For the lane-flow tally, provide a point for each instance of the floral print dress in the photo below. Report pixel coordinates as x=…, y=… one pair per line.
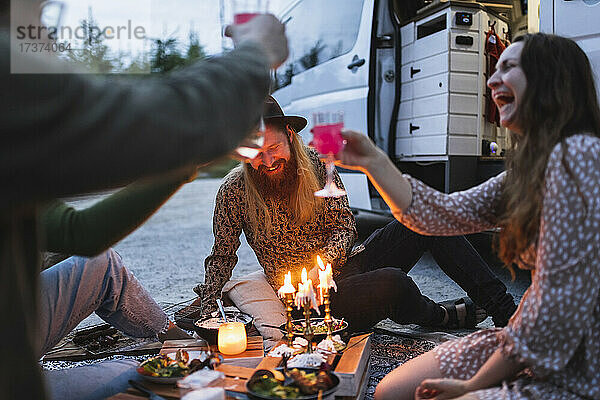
x=556, y=329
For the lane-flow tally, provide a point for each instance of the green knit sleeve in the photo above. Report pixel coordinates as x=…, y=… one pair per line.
x=92, y=230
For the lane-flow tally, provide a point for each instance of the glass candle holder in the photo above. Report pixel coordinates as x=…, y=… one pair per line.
x=232, y=338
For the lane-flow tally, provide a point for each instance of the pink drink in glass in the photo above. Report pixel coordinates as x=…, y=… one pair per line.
x=242, y=18
x=327, y=138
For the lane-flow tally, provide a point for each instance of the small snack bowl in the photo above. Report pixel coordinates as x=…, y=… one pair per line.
x=308, y=384
x=208, y=327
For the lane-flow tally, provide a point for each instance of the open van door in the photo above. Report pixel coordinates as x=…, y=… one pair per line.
x=328, y=68
x=577, y=20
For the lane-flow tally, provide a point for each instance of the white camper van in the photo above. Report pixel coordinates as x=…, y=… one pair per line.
x=412, y=75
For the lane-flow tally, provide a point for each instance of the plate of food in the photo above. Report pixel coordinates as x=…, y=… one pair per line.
x=301, y=384
x=318, y=326
x=169, y=368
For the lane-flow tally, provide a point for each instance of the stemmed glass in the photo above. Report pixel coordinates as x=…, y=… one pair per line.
x=243, y=11
x=251, y=146
x=328, y=141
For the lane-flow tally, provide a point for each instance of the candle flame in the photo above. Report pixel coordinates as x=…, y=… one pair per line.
x=321, y=264
x=304, y=275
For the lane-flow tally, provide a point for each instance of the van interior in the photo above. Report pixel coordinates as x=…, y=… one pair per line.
x=454, y=161
x=412, y=75
x=516, y=12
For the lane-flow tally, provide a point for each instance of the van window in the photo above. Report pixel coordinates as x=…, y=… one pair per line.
x=318, y=31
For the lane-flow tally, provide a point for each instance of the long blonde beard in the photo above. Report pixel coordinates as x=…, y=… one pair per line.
x=302, y=202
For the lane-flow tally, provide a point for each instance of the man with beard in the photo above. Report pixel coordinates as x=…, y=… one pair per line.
x=271, y=199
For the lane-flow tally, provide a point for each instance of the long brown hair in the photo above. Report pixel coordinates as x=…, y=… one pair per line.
x=559, y=101
x=302, y=201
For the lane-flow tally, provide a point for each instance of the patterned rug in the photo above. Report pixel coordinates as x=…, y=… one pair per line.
x=391, y=346
x=388, y=351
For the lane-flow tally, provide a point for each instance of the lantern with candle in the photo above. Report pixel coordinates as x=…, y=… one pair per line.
x=231, y=338
x=286, y=292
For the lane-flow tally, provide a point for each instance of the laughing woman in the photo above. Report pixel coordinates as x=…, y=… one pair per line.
x=547, y=205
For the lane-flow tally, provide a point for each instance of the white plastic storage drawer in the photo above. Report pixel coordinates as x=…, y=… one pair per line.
x=424, y=68
x=431, y=86
x=463, y=83
x=431, y=45
x=474, y=37
x=429, y=145
x=427, y=126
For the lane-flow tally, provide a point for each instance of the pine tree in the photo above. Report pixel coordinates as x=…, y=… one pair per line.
x=93, y=55
x=166, y=55
x=195, y=50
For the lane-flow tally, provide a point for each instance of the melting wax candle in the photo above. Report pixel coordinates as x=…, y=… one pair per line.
x=306, y=296
x=287, y=287
x=325, y=278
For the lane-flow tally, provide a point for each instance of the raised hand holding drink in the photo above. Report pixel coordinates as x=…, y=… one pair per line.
x=328, y=141
x=243, y=11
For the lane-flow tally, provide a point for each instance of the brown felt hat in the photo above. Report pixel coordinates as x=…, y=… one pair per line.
x=272, y=111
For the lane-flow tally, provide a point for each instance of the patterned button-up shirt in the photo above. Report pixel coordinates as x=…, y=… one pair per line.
x=330, y=233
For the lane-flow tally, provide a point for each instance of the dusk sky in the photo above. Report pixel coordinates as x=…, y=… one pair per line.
x=160, y=19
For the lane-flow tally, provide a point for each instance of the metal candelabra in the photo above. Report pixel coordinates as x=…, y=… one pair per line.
x=289, y=327
x=338, y=345
x=308, y=332
x=328, y=320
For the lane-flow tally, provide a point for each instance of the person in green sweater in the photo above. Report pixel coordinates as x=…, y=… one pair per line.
x=65, y=133
x=97, y=281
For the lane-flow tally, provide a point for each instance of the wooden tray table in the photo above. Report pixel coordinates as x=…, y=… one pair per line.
x=352, y=367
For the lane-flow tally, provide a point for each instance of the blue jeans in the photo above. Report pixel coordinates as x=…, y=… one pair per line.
x=70, y=291
x=374, y=284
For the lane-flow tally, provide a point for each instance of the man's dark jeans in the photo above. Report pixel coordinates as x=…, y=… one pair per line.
x=374, y=284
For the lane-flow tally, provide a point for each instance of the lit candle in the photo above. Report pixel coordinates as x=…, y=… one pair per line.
x=300, y=296
x=286, y=292
x=232, y=338
x=306, y=294
x=311, y=296
x=325, y=278
x=287, y=287
x=320, y=263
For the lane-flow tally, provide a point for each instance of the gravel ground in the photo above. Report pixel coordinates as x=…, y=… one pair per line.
x=167, y=252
